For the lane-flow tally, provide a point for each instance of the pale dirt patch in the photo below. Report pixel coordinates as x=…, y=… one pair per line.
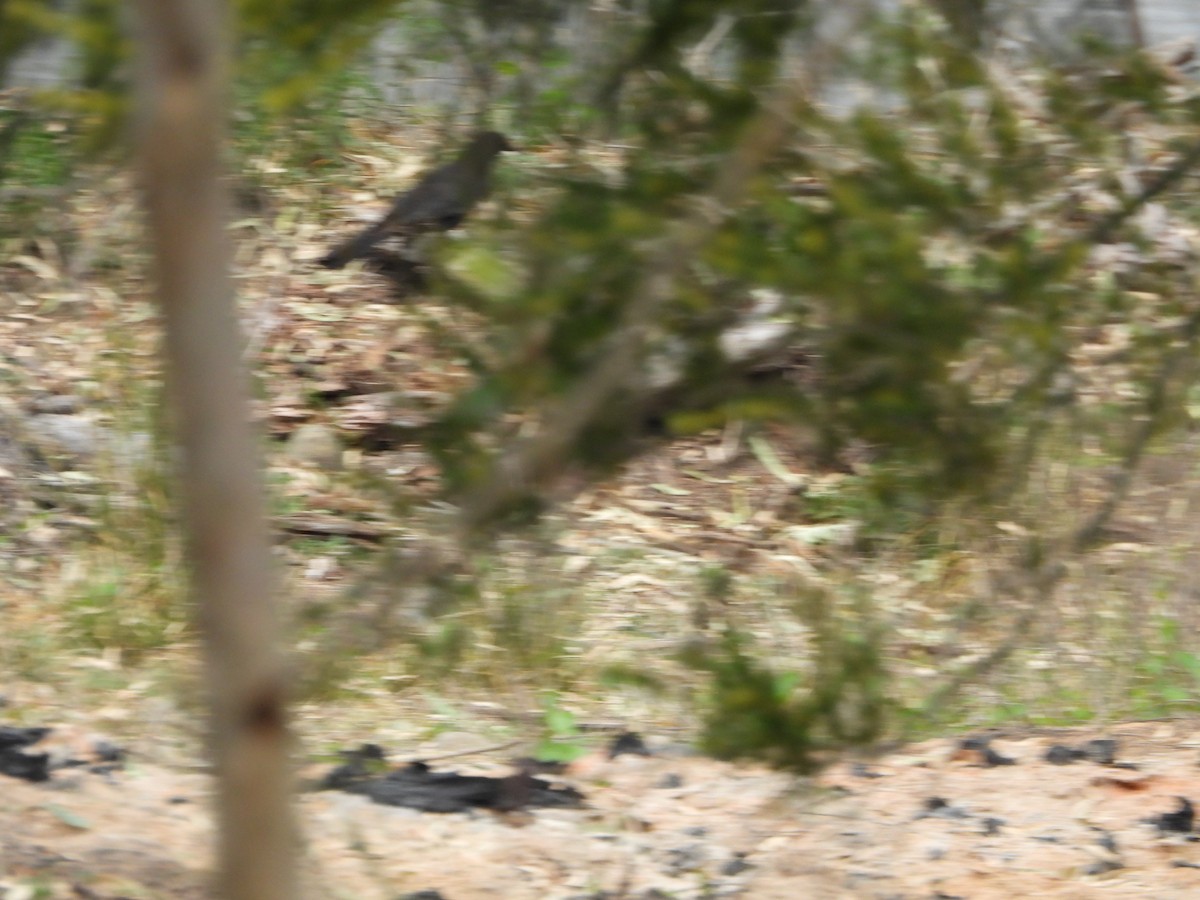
x=684, y=826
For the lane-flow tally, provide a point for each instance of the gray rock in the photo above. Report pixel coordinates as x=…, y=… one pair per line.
x=56, y=404
x=316, y=445
x=63, y=438
x=13, y=458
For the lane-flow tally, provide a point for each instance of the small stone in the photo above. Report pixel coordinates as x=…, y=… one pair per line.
x=1061, y=755
x=69, y=438
x=735, y=866
x=56, y=404
x=1100, y=750
x=1180, y=820
x=1101, y=866
x=935, y=851
x=684, y=859
x=108, y=752
x=940, y=808
x=978, y=751
x=627, y=742
x=991, y=826
x=861, y=770
x=992, y=758
x=316, y=445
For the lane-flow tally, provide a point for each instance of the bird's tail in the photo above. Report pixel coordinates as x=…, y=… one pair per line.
x=354, y=248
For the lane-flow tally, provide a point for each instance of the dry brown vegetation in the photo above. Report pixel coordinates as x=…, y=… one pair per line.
x=616, y=572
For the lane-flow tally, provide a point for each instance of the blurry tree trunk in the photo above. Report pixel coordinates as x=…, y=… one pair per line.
x=1136, y=33
x=182, y=115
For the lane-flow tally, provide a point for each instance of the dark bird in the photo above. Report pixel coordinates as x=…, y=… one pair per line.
x=438, y=202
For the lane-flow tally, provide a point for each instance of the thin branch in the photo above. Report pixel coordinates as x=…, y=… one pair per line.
x=1133, y=16
x=1103, y=229
x=536, y=459
x=1155, y=405
x=1043, y=577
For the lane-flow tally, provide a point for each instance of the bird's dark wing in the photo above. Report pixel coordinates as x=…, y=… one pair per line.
x=440, y=200
x=437, y=201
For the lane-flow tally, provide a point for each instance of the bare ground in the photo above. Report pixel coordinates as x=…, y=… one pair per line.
x=921, y=821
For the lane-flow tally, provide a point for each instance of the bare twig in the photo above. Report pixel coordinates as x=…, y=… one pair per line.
x=1040, y=572
x=1133, y=15
x=475, y=751
x=1155, y=407
x=332, y=526
x=1103, y=229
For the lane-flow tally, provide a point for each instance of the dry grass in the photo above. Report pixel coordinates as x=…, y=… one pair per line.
x=597, y=606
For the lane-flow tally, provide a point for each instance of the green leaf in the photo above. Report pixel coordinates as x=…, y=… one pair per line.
x=67, y=817
x=559, y=721
x=765, y=454
x=558, y=752
x=671, y=490
x=486, y=272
